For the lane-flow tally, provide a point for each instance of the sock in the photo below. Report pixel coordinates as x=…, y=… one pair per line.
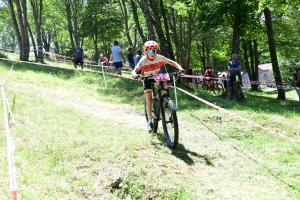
x=150, y=119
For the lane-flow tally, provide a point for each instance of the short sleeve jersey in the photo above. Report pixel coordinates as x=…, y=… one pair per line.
x=116, y=53
x=235, y=65
x=209, y=72
x=151, y=66
x=78, y=53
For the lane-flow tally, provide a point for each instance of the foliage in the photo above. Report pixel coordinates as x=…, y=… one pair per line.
x=2, y=55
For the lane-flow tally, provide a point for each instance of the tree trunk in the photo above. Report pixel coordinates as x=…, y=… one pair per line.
x=148, y=18
x=21, y=29
x=169, y=44
x=122, y=5
x=272, y=49
x=236, y=34
x=33, y=42
x=15, y=23
x=37, y=9
x=70, y=29
x=159, y=30
x=256, y=62
x=137, y=22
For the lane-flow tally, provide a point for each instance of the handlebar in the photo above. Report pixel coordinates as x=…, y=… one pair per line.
x=171, y=74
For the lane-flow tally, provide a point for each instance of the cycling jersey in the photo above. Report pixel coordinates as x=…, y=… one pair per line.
x=151, y=66
x=209, y=72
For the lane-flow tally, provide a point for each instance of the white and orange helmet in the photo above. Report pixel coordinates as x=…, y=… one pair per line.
x=150, y=45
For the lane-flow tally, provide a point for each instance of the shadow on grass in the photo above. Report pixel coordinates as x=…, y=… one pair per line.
x=181, y=152
x=274, y=174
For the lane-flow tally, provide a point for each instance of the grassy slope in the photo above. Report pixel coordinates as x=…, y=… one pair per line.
x=73, y=137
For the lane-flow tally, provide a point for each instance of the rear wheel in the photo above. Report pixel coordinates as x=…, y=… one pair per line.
x=169, y=122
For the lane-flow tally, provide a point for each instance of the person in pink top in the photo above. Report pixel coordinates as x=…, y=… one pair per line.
x=151, y=64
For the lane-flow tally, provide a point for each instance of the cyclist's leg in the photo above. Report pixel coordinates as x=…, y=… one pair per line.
x=148, y=97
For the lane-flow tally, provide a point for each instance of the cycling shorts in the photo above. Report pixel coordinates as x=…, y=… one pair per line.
x=147, y=84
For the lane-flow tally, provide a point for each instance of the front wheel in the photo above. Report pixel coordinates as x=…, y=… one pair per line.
x=169, y=122
x=218, y=88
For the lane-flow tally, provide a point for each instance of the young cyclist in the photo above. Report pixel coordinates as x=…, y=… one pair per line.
x=151, y=64
x=210, y=74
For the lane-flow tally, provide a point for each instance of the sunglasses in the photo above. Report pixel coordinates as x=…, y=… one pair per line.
x=150, y=51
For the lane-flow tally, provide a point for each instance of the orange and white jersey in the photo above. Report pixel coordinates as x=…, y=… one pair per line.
x=151, y=66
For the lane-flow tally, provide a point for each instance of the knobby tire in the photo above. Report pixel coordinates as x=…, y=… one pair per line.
x=169, y=122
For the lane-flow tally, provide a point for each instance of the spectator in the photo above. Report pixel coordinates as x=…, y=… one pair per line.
x=93, y=59
x=137, y=57
x=103, y=59
x=111, y=59
x=297, y=82
x=190, y=72
x=79, y=56
x=117, y=56
x=130, y=57
x=234, y=67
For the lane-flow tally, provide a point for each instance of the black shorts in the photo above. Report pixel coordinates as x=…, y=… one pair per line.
x=118, y=64
x=147, y=83
x=78, y=60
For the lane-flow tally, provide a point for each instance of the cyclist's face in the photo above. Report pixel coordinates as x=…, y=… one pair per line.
x=151, y=53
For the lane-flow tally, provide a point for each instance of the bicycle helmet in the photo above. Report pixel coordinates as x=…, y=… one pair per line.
x=207, y=67
x=150, y=45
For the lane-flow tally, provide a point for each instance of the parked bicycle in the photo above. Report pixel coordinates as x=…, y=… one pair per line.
x=213, y=86
x=163, y=108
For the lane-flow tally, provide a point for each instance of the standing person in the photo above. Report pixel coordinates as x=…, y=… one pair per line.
x=117, y=56
x=130, y=57
x=151, y=64
x=191, y=72
x=137, y=57
x=93, y=59
x=79, y=56
x=297, y=82
x=234, y=67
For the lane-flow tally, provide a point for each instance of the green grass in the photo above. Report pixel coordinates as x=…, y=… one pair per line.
x=73, y=138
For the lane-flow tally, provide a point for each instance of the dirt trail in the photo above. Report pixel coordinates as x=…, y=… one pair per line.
x=231, y=175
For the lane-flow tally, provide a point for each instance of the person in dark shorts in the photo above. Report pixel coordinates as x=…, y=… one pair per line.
x=130, y=58
x=79, y=56
x=118, y=57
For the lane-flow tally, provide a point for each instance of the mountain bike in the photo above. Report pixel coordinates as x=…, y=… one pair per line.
x=163, y=108
x=214, y=86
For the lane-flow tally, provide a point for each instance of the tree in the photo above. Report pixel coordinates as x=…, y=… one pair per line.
x=272, y=48
x=37, y=10
x=20, y=25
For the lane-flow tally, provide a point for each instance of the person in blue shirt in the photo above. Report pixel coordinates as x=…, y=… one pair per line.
x=234, y=68
x=137, y=57
x=79, y=56
x=117, y=56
